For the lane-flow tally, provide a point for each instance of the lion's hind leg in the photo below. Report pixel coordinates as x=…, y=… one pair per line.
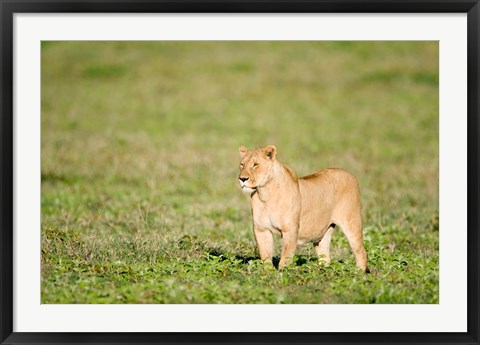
x=322, y=247
x=352, y=228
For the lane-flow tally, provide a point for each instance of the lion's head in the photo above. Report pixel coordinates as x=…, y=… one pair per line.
x=256, y=167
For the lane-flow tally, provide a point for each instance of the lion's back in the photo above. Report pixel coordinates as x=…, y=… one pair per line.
x=329, y=186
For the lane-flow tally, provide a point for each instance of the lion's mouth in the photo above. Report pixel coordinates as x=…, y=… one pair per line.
x=247, y=189
x=244, y=185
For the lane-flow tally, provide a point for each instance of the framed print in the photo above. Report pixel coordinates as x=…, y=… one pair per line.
x=184, y=172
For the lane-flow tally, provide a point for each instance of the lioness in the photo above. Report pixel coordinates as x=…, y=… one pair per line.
x=300, y=210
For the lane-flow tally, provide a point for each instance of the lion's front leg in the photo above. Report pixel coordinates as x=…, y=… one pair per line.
x=264, y=240
x=289, y=244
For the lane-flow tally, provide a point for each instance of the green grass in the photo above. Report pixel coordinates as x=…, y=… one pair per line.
x=140, y=200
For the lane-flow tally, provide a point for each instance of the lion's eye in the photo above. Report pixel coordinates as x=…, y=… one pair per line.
x=241, y=165
x=255, y=165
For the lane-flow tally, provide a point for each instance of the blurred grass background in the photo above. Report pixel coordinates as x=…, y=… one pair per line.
x=140, y=199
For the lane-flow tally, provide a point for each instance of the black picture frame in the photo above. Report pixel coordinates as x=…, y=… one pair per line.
x=9, y=8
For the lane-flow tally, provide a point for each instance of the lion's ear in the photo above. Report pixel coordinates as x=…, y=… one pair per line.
x=270, y=151
x=243, y=150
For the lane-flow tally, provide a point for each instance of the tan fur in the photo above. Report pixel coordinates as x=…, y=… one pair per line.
x=300, y=210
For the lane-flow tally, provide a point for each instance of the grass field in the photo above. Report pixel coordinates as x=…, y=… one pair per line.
x=140, y=199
